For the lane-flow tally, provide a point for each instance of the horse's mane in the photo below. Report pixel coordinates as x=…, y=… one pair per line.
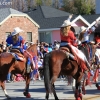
x=33, y=48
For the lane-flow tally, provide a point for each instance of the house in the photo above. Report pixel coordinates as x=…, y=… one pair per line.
x=92, y=20
x=50, y=20
x=10, y=18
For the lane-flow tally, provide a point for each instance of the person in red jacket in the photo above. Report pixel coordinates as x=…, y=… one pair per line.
x=66, y=34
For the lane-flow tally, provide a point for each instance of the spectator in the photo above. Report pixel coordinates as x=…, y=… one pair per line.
x=50, y=47
x=3, y=46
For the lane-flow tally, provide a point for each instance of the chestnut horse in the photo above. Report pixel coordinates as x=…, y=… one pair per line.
x=56, y=63
x=8, y=64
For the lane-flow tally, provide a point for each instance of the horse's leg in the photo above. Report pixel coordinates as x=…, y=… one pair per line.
x=2, y=83
x=73, y=85
x=26, y=91
x=78, y=92
x=96, y=80
x=53, y=79
x=69, y=80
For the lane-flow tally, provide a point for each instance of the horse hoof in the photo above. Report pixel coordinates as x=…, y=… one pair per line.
x=78, y=98
x=24, y=93
x=98, y=87
x=8, y=97
x=28, y=95
x=80, y=95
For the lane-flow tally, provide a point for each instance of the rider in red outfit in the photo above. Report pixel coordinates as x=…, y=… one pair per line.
x=68, y=39
x=66, y=34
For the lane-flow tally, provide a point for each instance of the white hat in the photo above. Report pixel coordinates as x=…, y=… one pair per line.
x=16, y=31
x=92, y=42
x=66, y=23
x=82, y=29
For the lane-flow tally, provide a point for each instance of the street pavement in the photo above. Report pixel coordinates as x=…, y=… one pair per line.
x=37, y=91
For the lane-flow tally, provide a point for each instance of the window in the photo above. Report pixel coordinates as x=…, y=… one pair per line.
x=29, y=36
x=7, y=34
x=45, y=36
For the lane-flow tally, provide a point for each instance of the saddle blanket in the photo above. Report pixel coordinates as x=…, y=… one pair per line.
x=78, y=52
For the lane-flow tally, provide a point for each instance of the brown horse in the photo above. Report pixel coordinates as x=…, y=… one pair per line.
x=8, y=64
x=56, y=63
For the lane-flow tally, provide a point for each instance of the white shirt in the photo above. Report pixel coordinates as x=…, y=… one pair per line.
x=85, y=37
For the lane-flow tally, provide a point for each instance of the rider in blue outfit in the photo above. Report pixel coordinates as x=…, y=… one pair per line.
x=17, y=42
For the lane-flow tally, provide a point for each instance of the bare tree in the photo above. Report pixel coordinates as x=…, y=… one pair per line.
x=13, y=4
x=29, y=4
x=18, y=4
x=55, y=3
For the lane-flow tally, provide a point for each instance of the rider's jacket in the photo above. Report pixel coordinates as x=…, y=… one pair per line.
x=70, y=38
x=20, y=41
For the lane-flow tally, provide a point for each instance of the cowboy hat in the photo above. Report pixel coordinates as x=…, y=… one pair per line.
x=66, y=23
x=82, y=29
x=92, y=42
x=16, y=31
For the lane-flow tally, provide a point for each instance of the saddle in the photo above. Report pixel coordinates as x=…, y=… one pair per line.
x=18, y=55
x=15, y=50
x=68, y=53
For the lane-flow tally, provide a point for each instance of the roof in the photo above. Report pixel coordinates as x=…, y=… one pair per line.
x=48, y=17
x=91, y=18
x=50, y=12
x=83, y=19
x=5, y=13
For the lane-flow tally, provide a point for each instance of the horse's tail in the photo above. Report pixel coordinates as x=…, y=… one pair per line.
x=47, y=72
